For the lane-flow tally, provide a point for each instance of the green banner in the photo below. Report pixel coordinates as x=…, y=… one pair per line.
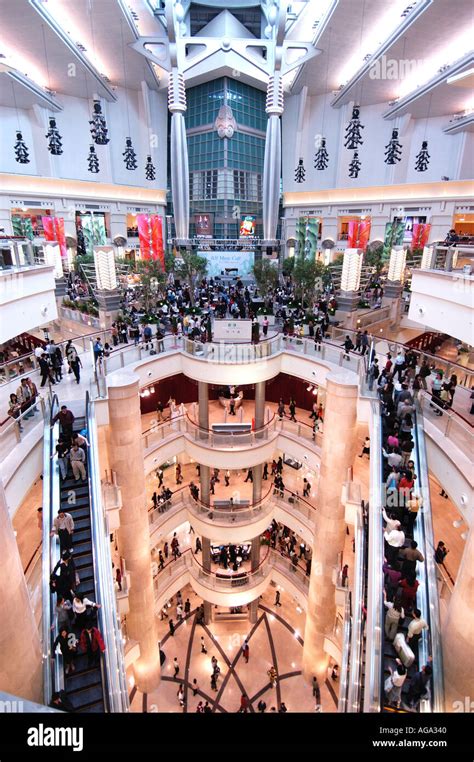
x=394, y=234
x=93, y=229
x=307, y=231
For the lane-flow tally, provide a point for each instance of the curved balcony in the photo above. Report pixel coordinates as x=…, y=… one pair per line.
x=240, y=352
x=230, y=588
x=227, y=521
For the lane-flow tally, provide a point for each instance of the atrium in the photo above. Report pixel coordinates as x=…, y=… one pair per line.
x=236, y=369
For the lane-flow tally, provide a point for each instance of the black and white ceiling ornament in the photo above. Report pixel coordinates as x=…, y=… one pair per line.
x=321, y=158
x=353, y=134
x=55, y=141
x=422, y=158
x=150, y=172
x=354, y=166
x=93, y=161
x=21, y=151
x=300, y=172
x=99, y=130
x=393, y=150
x=129, y=155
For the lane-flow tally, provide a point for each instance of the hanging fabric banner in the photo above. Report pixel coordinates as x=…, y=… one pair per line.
x=54, y=231
x=394, y=233
x=421, y=233
x=150, y=234
x=359, y=233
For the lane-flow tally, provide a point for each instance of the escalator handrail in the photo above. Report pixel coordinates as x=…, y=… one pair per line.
x=428, y=600
x=357, y=634
x=373, y=689
x=113, y=664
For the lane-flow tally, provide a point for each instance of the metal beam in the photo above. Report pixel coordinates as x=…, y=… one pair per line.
x=463, y=124
x=44, y=97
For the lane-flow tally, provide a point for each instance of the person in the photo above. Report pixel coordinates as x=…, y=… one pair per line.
x=77, y=458
x=306, y=489
x=292, y=408
x=61, y=701
x=441, y=552
x=198, y=546
x=265, y=471
x=281, y=409
x=66, y=419
x=179, y=612
x=394, y=683
x=163, y=613
x=408, y=586
x=316, y=689
x=63, y=526
x=392, y=618
x=344, y=576
x=176, y=665
x=200, y=708
x=416, y=627
x=249, y=476
x=277, y=598
x=98, y=350
x=244, y=703
x=180, y=695
x=227, y=478
x=232, y=406
x=187, y=606
x=374, y=373
x=161, y=560
x=67, y=643
x=45, y=370
x=14, y=410
x=348, y=345
x=410, y=556
x=318, y=337
x=418, y=687
x=171, y=627
x=335, y=672
x=75, y=364
x=392, y=577
x=246, y=651
x=282, y=708
x=261, y=706
x=272, y=676
x=366, y=448
x=81, y=613
x=364, y=342
x=92, y=644
x=394, y=540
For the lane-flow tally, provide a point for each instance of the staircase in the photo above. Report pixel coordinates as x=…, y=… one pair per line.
x=84, y=687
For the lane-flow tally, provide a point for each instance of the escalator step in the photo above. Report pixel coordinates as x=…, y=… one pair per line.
x=83, y=562
x=81, y=548
x=86, y=587
x=78, y=681
x=83, y=698
x=80, y=524
x=83, y=535
x=97, y=707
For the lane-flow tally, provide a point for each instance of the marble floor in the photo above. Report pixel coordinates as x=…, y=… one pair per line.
x=276, y=639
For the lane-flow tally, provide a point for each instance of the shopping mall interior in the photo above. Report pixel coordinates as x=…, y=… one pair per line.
x=236, y=358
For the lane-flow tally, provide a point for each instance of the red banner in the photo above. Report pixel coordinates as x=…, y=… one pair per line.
x=359, y=233
x=421, y=233
x=54, y=231
x=150, y=234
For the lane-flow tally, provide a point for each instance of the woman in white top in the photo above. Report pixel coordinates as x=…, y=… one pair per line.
x=394, y=683
x=79, y=607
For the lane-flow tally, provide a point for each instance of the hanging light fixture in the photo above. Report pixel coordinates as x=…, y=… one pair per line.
x=99, y=130
x=21, y=151
x=321, y=158
x=354, y=166
x=353, y=130
x=300, y=172
x=93, y=160
x=422, y=158
x=393, y=149
x=55, y=145
x=129, y=155
x=150, y=172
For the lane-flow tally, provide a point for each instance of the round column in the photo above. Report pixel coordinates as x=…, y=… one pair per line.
x=205, y=474
x=126, y=459
x=337, y=455
x=20, y=649
x=458, y=637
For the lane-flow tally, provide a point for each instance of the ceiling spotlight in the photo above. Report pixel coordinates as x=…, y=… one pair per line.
x=315, y=391
x=458, y=523
x=464, y=535
x=309, y=388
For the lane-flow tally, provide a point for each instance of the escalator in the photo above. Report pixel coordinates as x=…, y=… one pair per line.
x=383, y=653
x=89, y=689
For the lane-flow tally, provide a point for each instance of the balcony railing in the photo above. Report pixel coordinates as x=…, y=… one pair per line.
x=233, y=513
x=450, y=424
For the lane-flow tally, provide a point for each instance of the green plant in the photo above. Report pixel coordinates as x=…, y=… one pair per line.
x=266, y=275
x=190, y=268
x=288, y=266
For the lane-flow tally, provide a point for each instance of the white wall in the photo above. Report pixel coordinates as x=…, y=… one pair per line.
x=26, y=300
x=449, y=153
x=73, y=125
x=444, y=301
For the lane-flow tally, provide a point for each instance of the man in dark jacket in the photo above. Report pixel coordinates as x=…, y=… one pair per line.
x=419, y=685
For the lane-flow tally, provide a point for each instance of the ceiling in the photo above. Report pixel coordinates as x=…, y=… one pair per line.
x=91, y=58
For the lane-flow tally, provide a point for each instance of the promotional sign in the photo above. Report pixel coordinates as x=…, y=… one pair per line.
x=307, y=232
x=150, y=234
x=54, y=231
x=241, y=330
x=93, y=230
x=359, y=233
x=394, y=234
x=421, y=233
x=204, y=224
x=228, y=262
x=247, y=226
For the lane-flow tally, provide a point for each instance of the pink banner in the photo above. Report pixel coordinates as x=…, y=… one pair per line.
x=54, y=231
x=420, y=236
x=150, y=233
x=359, y=232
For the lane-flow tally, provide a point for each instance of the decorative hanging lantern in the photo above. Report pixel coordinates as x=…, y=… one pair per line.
x=423, y=158
x=93, y=160
x=300, y=172
x=129, y=155
x=321, y=158
x=99, y=130
x=21, y=151
x=55, y=145
x=354, y=166
x=353, y=134
x=150, y=172
x=393, y=149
